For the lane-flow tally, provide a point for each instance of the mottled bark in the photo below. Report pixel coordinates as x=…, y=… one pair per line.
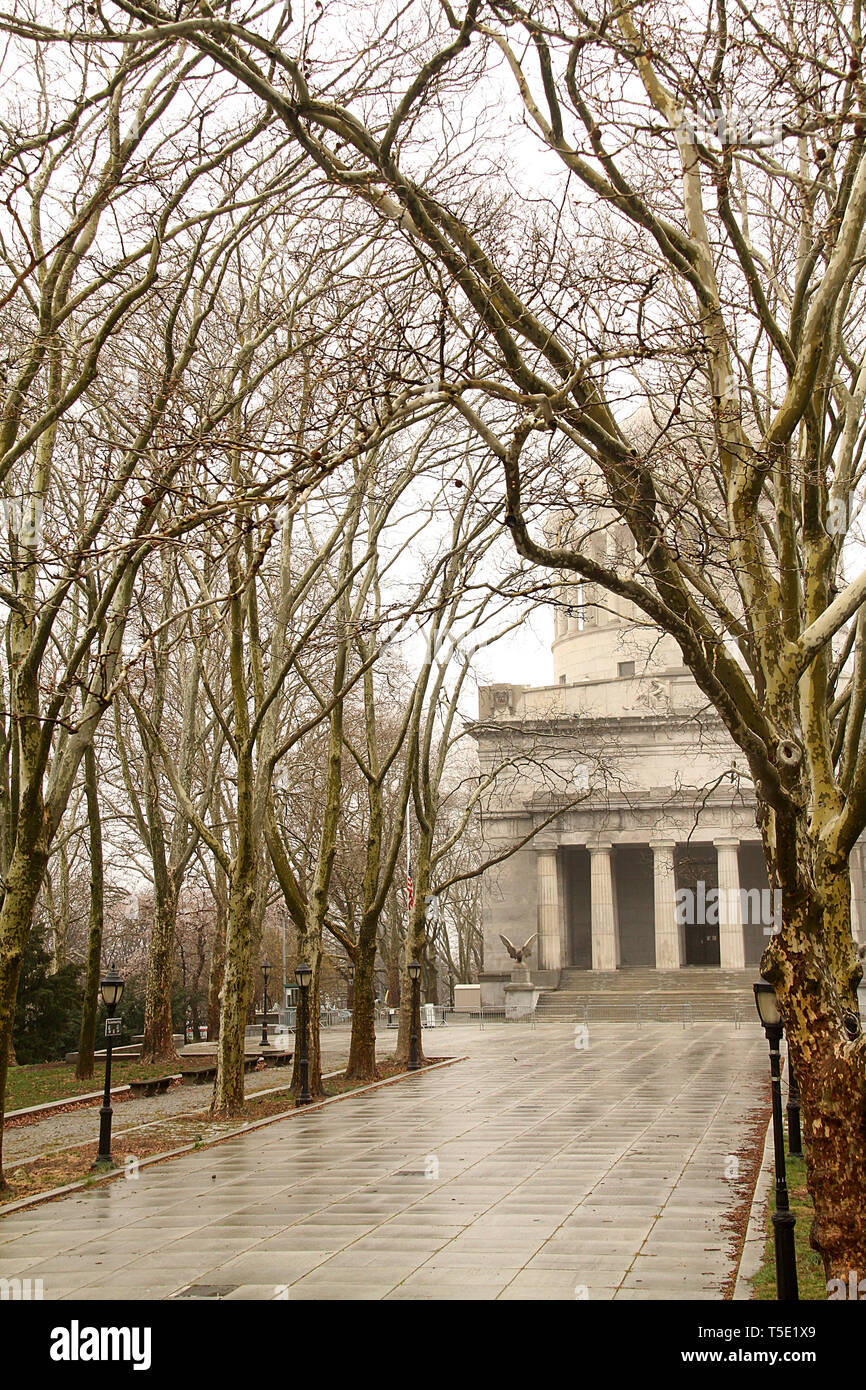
x=814, y=967
x=228, y=1097
x=416, y=940
x=218, y=955
x=362, y=1046
x=158, y=1043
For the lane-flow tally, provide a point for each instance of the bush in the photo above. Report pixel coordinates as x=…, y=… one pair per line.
x=48, y=1008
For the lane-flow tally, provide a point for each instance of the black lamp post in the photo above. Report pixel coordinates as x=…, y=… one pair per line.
x=792, y=1109
x=266, y=970
x=111, y=989
x=450, y=990
x=414, y=969
x=783, y=1218
x=303, y=975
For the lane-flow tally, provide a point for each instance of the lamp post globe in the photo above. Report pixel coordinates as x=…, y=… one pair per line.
x=111, y=988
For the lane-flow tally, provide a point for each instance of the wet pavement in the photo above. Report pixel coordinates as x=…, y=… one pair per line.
x=551, y=1164
x=63, y=1129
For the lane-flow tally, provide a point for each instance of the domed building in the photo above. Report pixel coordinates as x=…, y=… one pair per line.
x=654, y=860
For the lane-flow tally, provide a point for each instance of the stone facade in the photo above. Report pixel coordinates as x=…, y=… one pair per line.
x=659, y=862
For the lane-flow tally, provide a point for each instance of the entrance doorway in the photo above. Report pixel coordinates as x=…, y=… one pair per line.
x=696, y=869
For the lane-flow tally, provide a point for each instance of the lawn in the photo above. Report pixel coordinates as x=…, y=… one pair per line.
x=810, y=1267
x=44, y=1081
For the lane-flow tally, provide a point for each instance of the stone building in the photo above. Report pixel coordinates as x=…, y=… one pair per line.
x=660, y=863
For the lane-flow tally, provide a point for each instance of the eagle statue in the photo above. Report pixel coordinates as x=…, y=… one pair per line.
x=518, y=953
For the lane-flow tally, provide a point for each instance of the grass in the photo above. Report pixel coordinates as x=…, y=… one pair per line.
x=45, y=1081
x=810, y=1267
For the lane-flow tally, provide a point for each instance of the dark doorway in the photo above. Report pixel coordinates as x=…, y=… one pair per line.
x=758, y=906
x=696, y=869
x=578, y=906
x=633, y=872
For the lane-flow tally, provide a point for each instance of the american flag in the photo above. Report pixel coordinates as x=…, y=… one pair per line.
x=410, y=889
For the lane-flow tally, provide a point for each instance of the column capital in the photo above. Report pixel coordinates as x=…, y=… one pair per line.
x=726, y=841
x=545, y=846
x=660, y=843
x=600, y=846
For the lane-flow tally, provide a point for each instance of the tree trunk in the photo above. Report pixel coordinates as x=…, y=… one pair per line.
x=314, y=1049
x=158, y=1044
x=362, y=1047
x=814, y=967
x=218, y=956
x=228, y=1097
x=415, y=942
x=393, y=986
x=431, y=974
x=87, y=1034
x=26, y=873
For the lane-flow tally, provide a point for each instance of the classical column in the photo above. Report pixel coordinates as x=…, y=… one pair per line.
x=732, y=954
x=604, y=936
x=549, y=955
x=669, y=933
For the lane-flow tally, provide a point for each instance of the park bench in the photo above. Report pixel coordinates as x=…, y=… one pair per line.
x=153, y=1086
x=197, y=1076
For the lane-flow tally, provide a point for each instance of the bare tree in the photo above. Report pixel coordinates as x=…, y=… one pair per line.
x=733, y=305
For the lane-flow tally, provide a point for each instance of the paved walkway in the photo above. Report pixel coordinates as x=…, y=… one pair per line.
x=533, y=1170
x=61, y=1129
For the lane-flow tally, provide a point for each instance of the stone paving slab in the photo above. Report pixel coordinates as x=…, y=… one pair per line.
x=531, y=1170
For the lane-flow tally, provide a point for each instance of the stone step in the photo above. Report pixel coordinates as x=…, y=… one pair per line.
x=693, y=994
x=656, y=1001
x=690, y=980
x=644, y=1010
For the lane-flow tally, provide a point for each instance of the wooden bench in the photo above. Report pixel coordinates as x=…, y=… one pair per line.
x=154, y=1086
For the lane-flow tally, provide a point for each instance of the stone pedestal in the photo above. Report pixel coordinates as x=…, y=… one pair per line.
x=521, y=999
